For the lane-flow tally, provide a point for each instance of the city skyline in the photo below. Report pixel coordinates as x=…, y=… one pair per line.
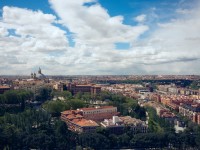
x=99, y=37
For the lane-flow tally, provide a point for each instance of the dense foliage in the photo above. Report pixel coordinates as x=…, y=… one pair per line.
x=34, y=130
x=195, y=85
x=55, y=107
x=157, y=124
x=43, y=94
x=14, y=101
x=15, y=96
x=125, y=105
x=41, y=128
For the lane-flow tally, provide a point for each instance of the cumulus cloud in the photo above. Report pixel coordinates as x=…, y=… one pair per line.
x=176, y=45
x=95, y=33
x=92, y=24
x=26, y=38
x=141, y=18
x=34, y=28
x=3, y=32
x=173, y=47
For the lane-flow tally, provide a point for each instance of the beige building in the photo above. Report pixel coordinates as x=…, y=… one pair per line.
x=84, y=119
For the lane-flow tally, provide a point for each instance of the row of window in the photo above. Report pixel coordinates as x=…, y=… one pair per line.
x=98, y=111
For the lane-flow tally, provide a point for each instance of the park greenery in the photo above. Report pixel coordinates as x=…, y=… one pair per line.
x=41, y=127
x=195, y=85
x=157, y=124
x=126, y=106
x=14, y=101
x=55, y=107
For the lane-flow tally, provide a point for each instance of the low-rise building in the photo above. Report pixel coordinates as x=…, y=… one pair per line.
x=117, y=124
x=75, y=119
x=191, y=111
x=155, y=97
x=77, y=123
x=84, y=88
x=137, y=126
x=4, y=89
x=83, y=125
x=60, y=86
x=114, y=125
x=99, y=113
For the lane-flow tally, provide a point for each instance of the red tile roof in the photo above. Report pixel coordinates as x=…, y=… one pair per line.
x=85, y=122
x=94, y=108
x=4, y=87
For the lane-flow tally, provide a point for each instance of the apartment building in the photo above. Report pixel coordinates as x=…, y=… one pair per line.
x=99, y=113
x=191, y=111
x=137, y=126
x=77, y=123
x=84, y=119
x=84, y=88
x=117, y=124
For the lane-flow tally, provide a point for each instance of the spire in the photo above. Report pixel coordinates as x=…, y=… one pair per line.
x=39, y=71
x=32, y=75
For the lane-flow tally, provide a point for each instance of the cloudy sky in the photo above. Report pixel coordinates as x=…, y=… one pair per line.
x=100, y=37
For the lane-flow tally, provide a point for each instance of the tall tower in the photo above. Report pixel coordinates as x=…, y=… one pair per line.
x=34, y=75
x=31, y=75
x=39, y=71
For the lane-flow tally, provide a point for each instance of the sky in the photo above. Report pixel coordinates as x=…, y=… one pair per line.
x=100, y=37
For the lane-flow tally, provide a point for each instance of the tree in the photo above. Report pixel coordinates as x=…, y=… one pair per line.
x=44, y=94
x=10, y=135
x=11, y=97
x=40, y=140
x=78, y=95
x=76, y=103
x=124, y=141
x=64, y=138
x=86, y=97
x=93, y=140
x=55, y=107
x=66, y=94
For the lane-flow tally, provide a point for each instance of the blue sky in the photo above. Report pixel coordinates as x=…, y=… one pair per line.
x=165, y=9
x=95, y=36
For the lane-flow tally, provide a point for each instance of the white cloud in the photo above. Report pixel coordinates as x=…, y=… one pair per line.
x=93, y=25
x=18, y=16
x=183, y=11
x=176, y=46
x=173, y=48
x=36, y=37
x=34, y=28
x=3, y=31
x=141, y=18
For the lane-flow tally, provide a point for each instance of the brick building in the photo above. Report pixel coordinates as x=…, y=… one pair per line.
x=99, y=113
x=84, y=88
x=192, y=111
